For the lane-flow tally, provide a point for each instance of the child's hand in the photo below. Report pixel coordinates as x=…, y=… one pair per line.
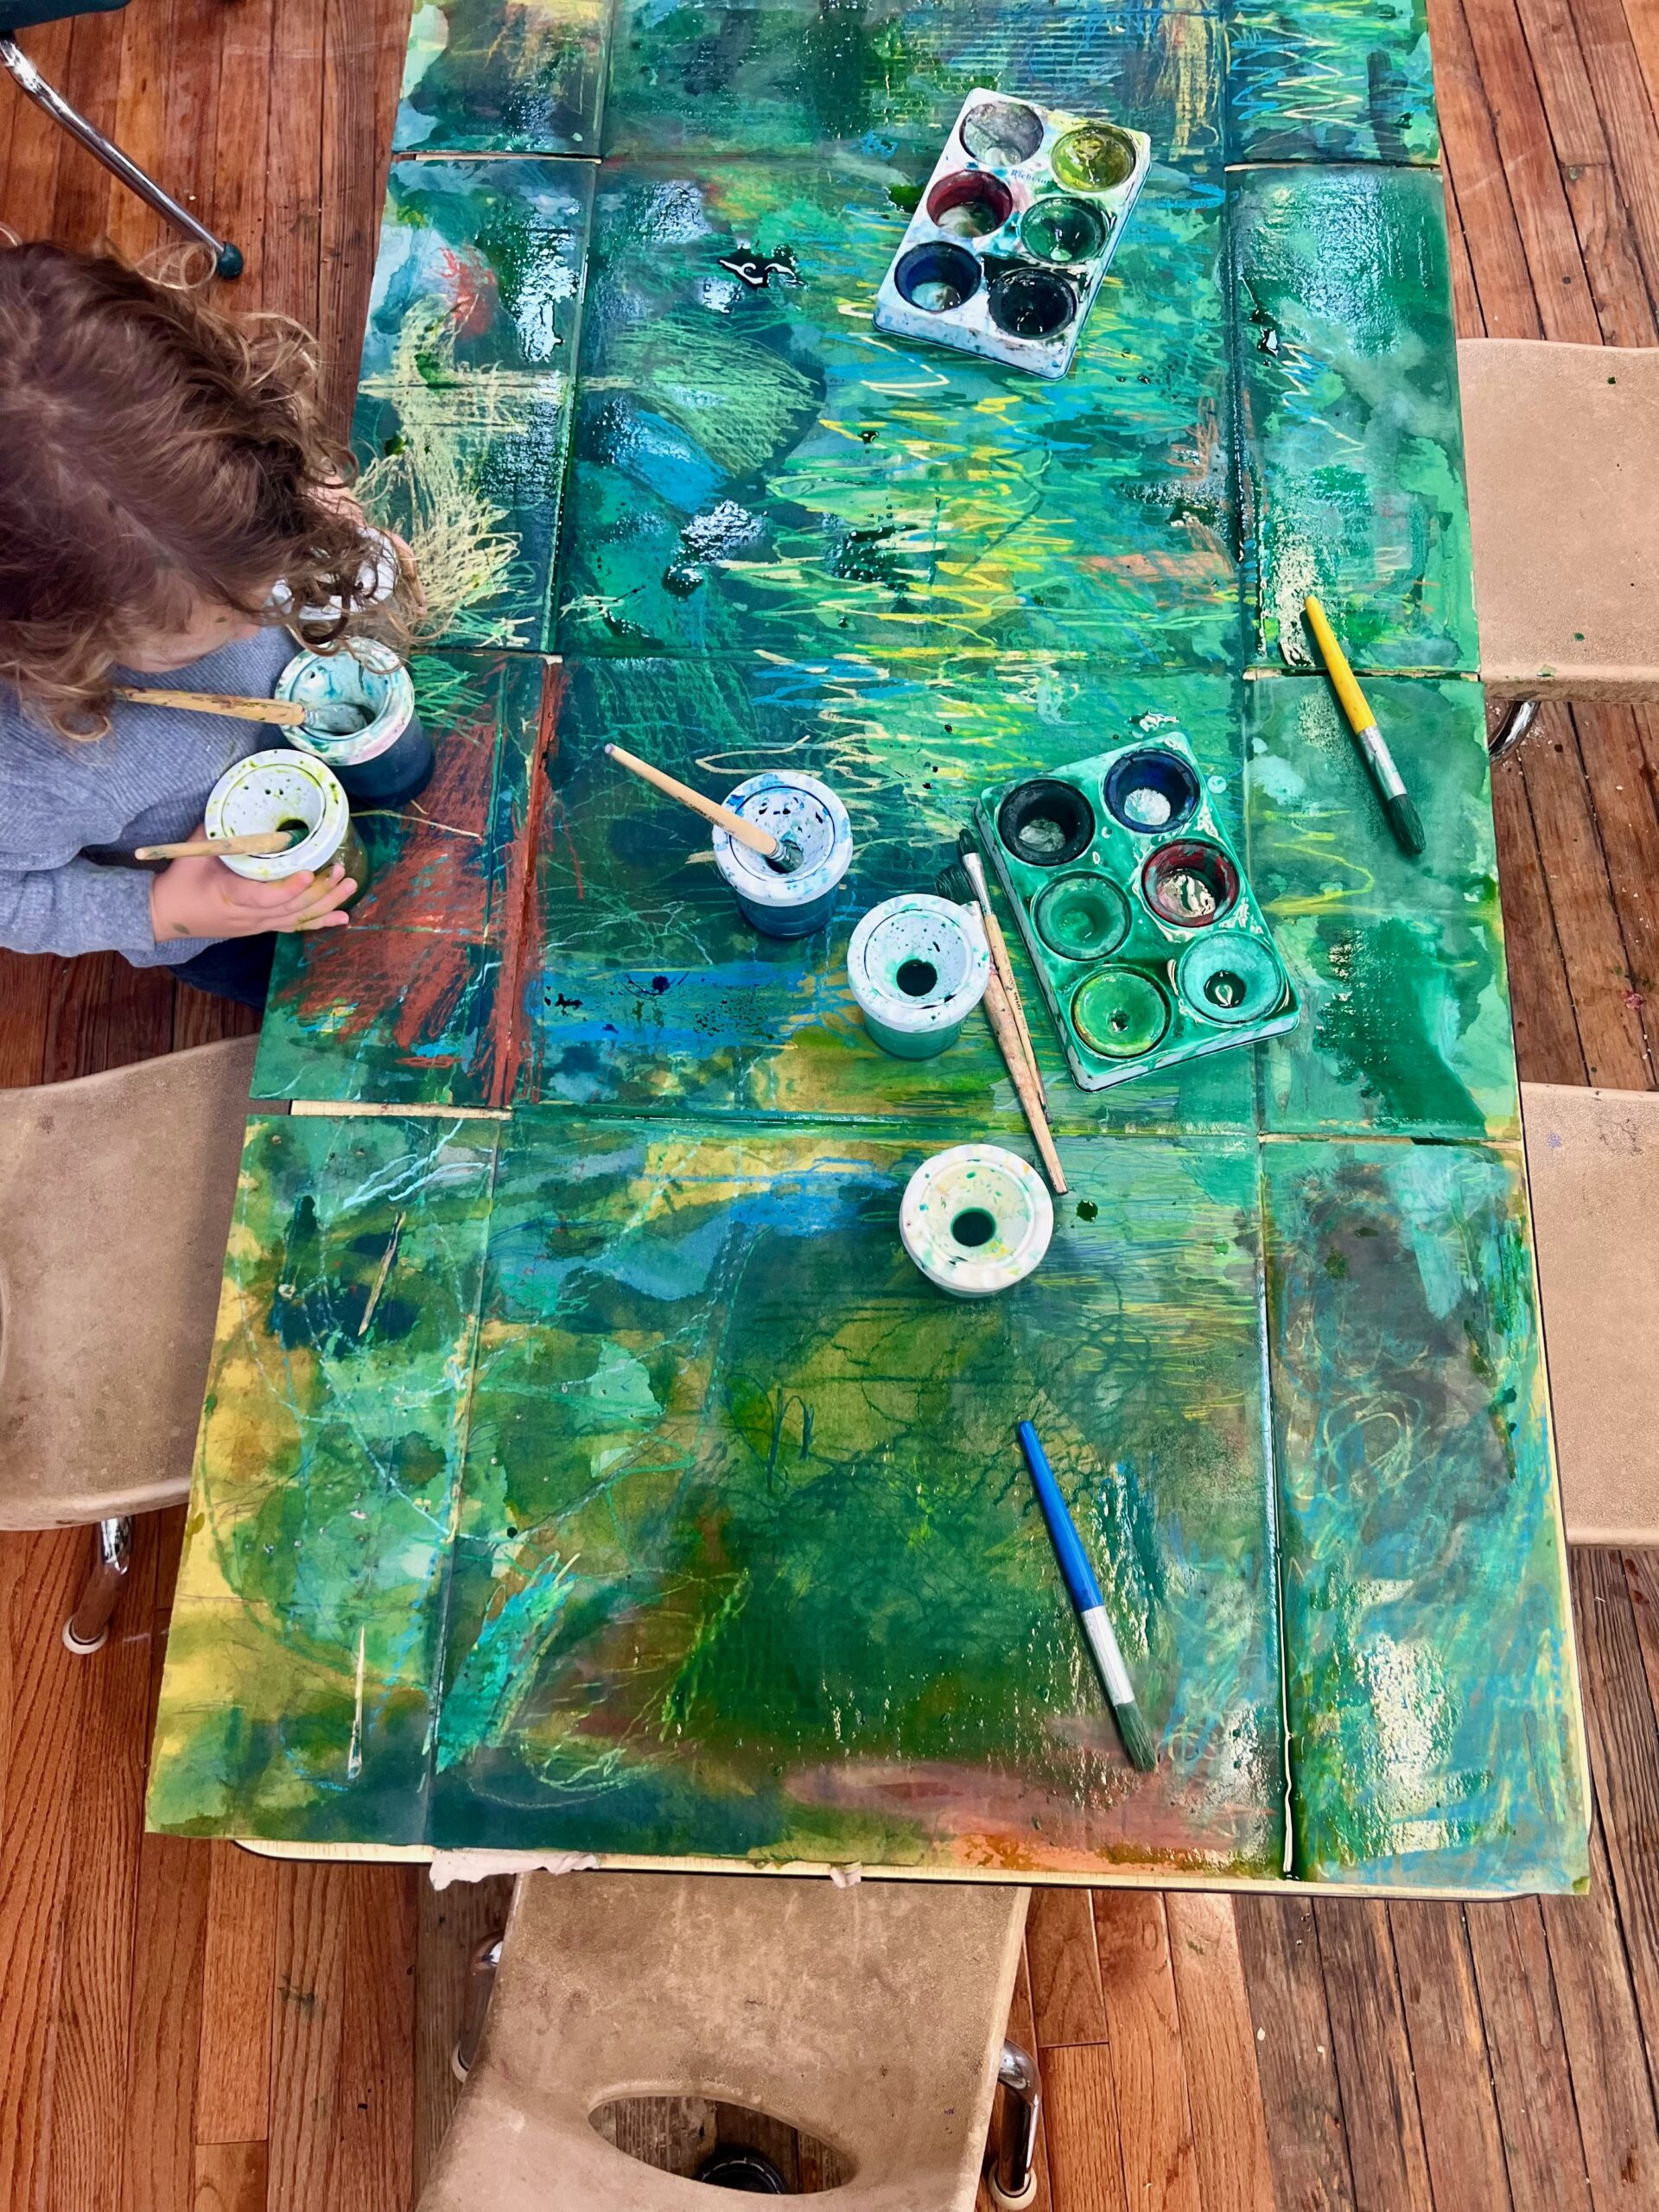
x=203, y=898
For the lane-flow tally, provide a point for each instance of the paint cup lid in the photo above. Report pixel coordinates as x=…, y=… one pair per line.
x=366, y=675
x=977, y=1219
x=917, y=963
x=789, y=805
x=268, y=791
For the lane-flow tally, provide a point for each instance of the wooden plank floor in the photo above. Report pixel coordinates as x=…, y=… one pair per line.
x=186, y=2029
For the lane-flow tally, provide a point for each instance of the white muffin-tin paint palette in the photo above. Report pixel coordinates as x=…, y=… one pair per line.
x=1017, y=228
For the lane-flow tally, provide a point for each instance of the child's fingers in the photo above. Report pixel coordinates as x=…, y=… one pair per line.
x=321, y=922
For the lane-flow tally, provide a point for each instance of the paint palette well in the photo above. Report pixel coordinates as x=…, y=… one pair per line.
x=1014, y=231
x=1147, y=939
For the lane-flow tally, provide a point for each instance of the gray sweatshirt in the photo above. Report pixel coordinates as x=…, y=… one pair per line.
x=72, y=816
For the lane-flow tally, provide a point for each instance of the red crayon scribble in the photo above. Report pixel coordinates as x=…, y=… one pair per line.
x=521, y=956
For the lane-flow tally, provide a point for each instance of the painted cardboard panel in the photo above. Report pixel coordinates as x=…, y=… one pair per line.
x=407, y=1005
x=300, y=1682
x=1405, y=1025
x=463, y=412
x=1433, y=1704
x=1350, y=433
x=757, y=470
x=653, y=992
x=1330, y=80
x=748, y=1563
x=504, y=77
x=883, y=79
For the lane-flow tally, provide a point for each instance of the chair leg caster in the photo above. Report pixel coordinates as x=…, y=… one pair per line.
x=88, y=1628
x=1514, y=727
x=481, y=1987
x=1011, y=2166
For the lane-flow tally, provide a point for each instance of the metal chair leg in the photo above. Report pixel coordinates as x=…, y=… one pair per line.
x=481, y=1987
x=1513, y=728
x=227, y=258
x=1011, y=2170
x=88, y=1626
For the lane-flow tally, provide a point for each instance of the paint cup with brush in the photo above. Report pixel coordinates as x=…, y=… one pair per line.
x=782, y=842
x=359, y=716
x=287, y=796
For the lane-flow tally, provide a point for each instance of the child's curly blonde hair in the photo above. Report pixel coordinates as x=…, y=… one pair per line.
x=157, y=453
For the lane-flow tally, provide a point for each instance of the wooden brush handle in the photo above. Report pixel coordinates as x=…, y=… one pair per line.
x=218, y=849
x=1004, y=1028
x=746, y=833
x=288, y=712
x=1004, y=965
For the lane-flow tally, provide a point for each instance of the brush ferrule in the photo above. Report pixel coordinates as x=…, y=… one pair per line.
x=1110, y=1660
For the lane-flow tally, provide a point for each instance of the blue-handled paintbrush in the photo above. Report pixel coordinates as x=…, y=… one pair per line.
x=1084, y=1591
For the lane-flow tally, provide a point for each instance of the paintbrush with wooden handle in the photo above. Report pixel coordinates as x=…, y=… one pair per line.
x=780, y=851
x=1005, y=1030
x=288, y=712
x=219, y=849
x=965, y=884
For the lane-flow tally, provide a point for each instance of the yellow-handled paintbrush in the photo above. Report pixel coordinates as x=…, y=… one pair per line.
x=1404, y=817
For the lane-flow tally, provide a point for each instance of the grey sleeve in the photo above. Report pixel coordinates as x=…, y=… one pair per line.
x=81, y=907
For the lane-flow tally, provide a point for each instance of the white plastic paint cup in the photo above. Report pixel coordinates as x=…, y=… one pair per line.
x=796, y=901
x=976, y=1219
x=390, y=758
x=269, y=792
x=918, y=966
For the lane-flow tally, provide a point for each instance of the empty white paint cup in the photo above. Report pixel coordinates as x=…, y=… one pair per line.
x=918, y=966
x=977, y=1219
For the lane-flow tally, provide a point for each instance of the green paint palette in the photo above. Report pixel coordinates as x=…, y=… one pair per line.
x=1147, y=939
x=1016, y=230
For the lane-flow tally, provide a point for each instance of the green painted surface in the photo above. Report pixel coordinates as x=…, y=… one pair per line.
x=1330, y=80
x=504, y=77
x=1351, y=429
x=413, y=1003
x=1434, y=1707
x=605, y=1478
x=463, y=412
x=1405, y=1025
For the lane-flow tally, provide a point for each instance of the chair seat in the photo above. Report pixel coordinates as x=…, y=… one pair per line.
x=871, y=2017
x=1561, y=445
x=23, y=15
x=116, y=1194
x=1592, y=1163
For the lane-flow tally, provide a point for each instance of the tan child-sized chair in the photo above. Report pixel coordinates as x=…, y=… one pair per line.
x=115, y=1194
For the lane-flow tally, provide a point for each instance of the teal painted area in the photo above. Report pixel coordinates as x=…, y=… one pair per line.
x=748, y=1532
x=882, y=79
x=463, y=412
x=1399, y=961
x=1434, y=1705
x=759, y=471
x=504, y=77
x=1331, y=80
x=1349, y=423
x=407, y=1005
x=329, y=1475
x=655, y=993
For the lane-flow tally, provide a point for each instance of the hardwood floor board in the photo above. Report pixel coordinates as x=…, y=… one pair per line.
x=1279, y=1944
x=1547, y=1048
x=374, y=2160
x=1229, y=2127
x=39, y=1577
x=1085, y=2167
x=450, y=1923
x=1628, y=120
x=147, y=40
x=1065, y=1992
x=241, y=127
x=1143, y=2025
x=1574, y=120
x=308, y=2020
x=1502, y=277
x=1532, y=2079
x=34, y=143
x=1462, y=2139
x=1610, y=2082
x=229, y=2178
x=1603, y=223
x=1641, y=22
x=1642, y=1581
x=158, y=2168
x=1566, y=308
x=192, y=106
x=1625, y=1757
x=91, y=2020
x=25, y=1002
x=1582, y=901
x=199, y=1019
x=234, y=2094
x=1615, y=765
x=364, y=47
x=1466, y=315
x=1373, y=2055
x=81, y=209
x=103, y=1014
x=291, y=263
